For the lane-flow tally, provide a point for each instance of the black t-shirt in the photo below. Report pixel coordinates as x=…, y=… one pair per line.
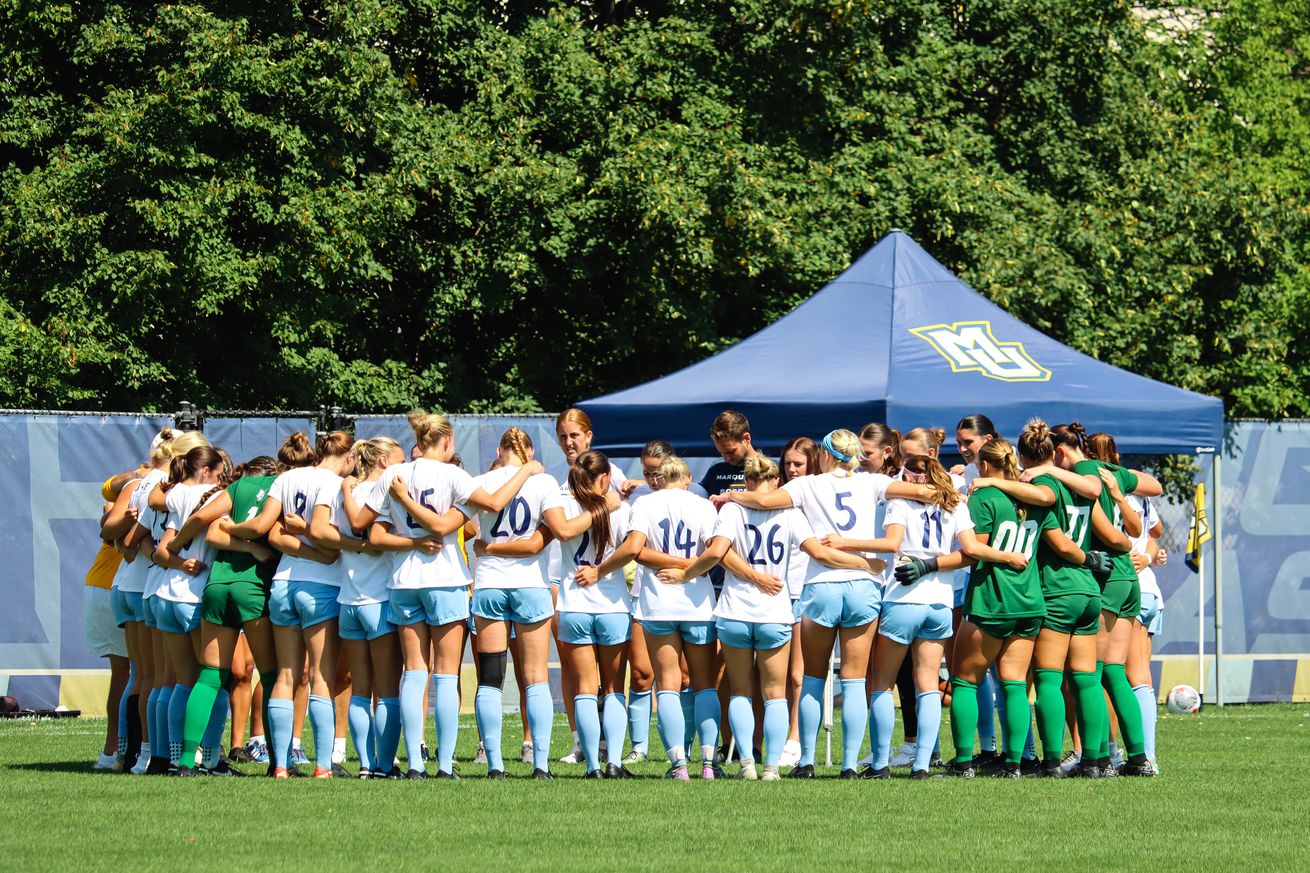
x=723, y=477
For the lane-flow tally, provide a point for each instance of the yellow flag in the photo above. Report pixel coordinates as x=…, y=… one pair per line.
x=1199, y=532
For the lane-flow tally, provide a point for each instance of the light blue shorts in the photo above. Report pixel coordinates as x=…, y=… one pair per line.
x=796, y=612
x=365, y=621
x=903, y=622
x=585, y=628
x=519, y=605
x=175, y=618
x=128, y=606
x=304, y=604
x=959, y=597
x=436, y=606
x=698, y=633
x=853, y=603
x=280, y=610
x=1152, y=614
x=148, y=611
x=759, y=635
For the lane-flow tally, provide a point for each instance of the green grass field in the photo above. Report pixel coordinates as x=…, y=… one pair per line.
x=1235, y=792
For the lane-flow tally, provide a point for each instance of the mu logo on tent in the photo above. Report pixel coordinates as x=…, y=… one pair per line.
x=970, y=348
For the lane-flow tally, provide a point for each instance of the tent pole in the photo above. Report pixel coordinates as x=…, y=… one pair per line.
x=1200, y=611
x=1218, y=558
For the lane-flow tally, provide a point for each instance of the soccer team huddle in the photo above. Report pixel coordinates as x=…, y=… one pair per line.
x=716, y=604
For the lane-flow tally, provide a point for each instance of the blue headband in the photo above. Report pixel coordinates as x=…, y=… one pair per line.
x=828, y=447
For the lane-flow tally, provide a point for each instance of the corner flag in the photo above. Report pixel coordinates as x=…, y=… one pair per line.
x=1199, y=532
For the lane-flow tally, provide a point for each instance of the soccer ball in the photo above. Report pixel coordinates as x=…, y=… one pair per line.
x=1183, y=698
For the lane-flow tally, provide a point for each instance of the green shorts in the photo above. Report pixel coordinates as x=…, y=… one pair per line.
x=1122, y=597
x=232, y=604
x=1005, y=628
x=1077, y=614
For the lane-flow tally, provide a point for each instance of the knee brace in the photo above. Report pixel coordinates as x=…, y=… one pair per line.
x=491, y=669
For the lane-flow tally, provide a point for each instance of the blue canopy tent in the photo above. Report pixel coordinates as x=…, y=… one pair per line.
x=897, y=338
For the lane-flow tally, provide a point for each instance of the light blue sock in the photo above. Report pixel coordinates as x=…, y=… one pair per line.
x=639, y=720
x=672, y=725
x=323, y=721
x=1030, y=744
x=412, y=685
x=586, y=715
x=929, y=706
x=122, y=710
x=854, y=720
x=1146, y=702
x=881, y=724
x=360, y=718
x=176, y=719
x=708, y=714
x=386, y=730
x=281, y=715
x=687, y=700
x=541, y=720
x=776, y=724
x=487, y=710
x=810, y=717
x=741, y=717
x=990, y=705
x=614, y=719
x=447, y=717
x=152, y=721
x=211, y=742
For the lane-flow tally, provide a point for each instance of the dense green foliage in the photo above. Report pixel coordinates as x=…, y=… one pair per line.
x=514, y=205
x=1206, y=808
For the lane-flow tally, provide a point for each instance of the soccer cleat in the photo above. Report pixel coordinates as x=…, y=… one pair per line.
x=481, y=756
x=848, y=774
x=709, y=772
x=222, y=768
x=298, y=756
x=321, y=773
x=615, y=771
x=918, y=774
x=937, y=760
x=595, y=774
x=1155, y=768
x=1137, y=768
x=636, y=756
x=574, y=756
x=802, y=771
x=748, y=772
x=1052, y=770
x=105, y=763
x=542, y=774
x=1087, y=770
x=281, y=773
x=1116, y=756
x=158, y=767
x=1007, y=771
x=904, y=758
x=678, y=773
x=495, y=774
x=1029, y=766
x=139, y=768
x=449, y=777
x=526, y=754
x=957, y=770
x=415, y=774
x=240, y=755
x=1108, y=772
x=423, y=750
x=870, y=773
x=791, y=754
x=394, y=773
x=1070, y=762
x=339, y=771
x=258, y=751
x=364, y=774
x=987, y=760
x=770, y=773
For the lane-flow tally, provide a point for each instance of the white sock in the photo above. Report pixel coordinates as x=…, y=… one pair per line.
x=257, y=738
x=295, y=742
x=339, y=750
x=707, y=754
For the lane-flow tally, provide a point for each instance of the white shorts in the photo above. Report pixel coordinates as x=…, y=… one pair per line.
x=103, y=635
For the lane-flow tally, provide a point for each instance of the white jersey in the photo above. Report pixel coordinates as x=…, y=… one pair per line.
x=132, y=576
x=298, y=491
x=439, y=487
x=766, y=539
x=930, y=532
x=156, y=522
x=176, y=585
x=517, y=521
x=1150, y=518
x=555, y=564
x=678, y=523
x=610, y=593
x=845, y=504
x=960, y=578
x=364, y=578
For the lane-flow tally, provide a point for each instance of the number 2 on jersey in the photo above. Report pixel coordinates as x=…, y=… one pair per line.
x=757, y=539
x=423, y=501
x=518, y=515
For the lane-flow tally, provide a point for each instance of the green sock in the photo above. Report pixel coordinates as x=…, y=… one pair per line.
x=964, y=718
x=1050, y=713
x=1017, y=718
x=1115, y=680
x=1102, y=745
x=1093, y=717
x=198, y=708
